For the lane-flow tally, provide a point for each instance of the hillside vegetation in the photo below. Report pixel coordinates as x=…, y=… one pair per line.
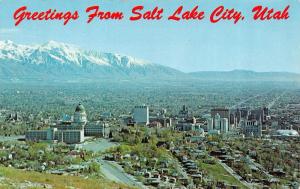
x=14, y=178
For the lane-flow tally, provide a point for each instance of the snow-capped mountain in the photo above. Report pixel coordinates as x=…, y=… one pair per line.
x=56, y=61
x=64, y=61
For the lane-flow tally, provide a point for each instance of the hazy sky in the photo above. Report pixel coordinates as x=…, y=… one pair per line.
x=186, y=45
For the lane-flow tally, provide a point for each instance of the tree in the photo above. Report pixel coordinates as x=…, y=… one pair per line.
x=94, y=167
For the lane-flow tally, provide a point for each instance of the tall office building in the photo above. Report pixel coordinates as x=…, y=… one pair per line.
x=185, y=113
x=217, y=122
x=141, y=114
x=224, y=125
x=210, y=124
x=259, y=114
x=223, y=112
x=244, y=112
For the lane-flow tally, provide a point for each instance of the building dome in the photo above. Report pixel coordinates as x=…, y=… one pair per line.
x=80, y=108
x=80, y=114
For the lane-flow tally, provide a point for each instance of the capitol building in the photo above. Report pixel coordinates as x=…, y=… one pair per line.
x=71, y=131
x=80, y=114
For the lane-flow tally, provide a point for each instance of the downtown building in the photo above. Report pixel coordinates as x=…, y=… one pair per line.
x=238, y=114
x=251, y=128
x=186, y=121
x=70, y=131
x=217, y=123
x=141, y=115
x=160, y=119
x=223, y=112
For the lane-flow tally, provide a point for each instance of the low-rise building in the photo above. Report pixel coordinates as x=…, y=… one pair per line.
x=36, y=135
x=99, y=129
x=69, y=136
x=183, y=126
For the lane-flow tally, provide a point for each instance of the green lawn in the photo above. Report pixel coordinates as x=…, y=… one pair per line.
x=220, y=174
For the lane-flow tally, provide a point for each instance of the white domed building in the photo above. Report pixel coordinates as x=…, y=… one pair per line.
x=71, y=131
x=80, y=114
x=287, y=133
x=282, y=134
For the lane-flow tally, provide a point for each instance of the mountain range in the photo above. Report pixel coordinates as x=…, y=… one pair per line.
x=245, y=75
x=54, y=61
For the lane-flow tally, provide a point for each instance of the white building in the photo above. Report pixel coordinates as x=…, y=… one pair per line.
x=52, y=134
x=69, y=136
x=217, y=122
x=70, y=131
x=183, y=126
x=80, y=114
x=141, y=114
x=210, y=124
x=64, y=131
x=284, y=134
x=224, y=125
x=100, y=129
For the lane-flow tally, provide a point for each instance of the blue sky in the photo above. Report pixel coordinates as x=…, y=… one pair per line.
x=186, y=45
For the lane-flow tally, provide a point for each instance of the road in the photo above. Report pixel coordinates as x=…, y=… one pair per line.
x=115, y=172
x=237, y=105
x=11, y=138
x=111, y=170
x=235, y=175
x=272, y=103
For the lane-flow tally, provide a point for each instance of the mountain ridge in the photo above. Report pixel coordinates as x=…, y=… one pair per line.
x=67, y=61
x=246, y=75
x=55, y=61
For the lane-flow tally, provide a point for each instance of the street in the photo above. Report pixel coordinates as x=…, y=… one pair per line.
x=111, y=170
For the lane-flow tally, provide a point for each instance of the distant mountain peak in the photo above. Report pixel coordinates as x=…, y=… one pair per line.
x=66, y=60
x=59, y=45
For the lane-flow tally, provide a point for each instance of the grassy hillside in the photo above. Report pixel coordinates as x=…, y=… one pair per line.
x=220, y=174
x=14, y=178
